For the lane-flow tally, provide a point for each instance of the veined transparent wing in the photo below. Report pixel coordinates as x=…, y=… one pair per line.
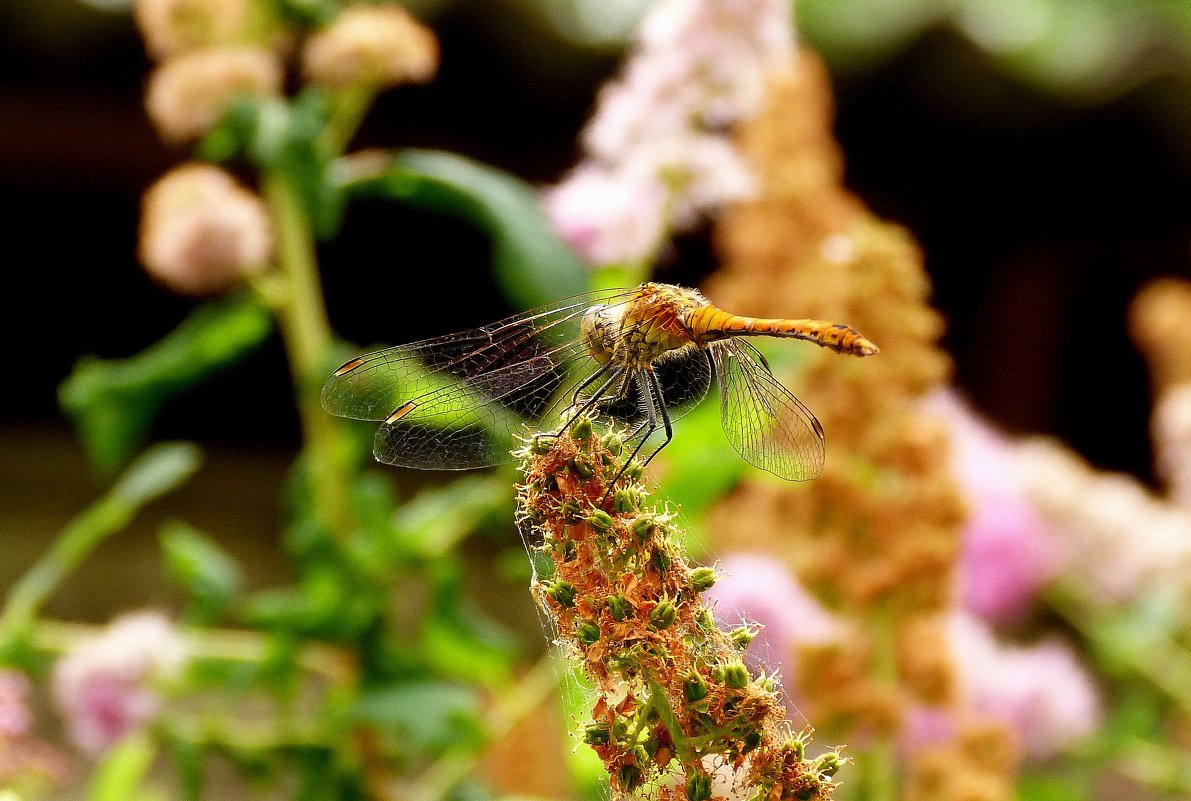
x=762, y=419
x=457, y=401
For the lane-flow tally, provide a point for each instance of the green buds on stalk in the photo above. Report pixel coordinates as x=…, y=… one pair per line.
x=663, y=615
x=597, y=734
x=587, y=633
x=620, y=608
x=703, y=579
x=742, y=637
x=733, y=674
x=698, y=787
x=694, y=687
x=581, y=429
x=561, y=592
x=600, y=520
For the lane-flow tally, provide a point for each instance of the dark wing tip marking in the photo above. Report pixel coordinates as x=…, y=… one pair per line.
x=347, y=368
x=400, y=411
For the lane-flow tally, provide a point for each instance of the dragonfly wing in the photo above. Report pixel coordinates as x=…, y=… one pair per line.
x=472, y=424
x=373, y=386
x=762, y=419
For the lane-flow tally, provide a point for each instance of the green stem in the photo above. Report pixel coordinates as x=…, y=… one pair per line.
x=520, y=700
x=307, y=335
x=348, y=108
x=159, y=470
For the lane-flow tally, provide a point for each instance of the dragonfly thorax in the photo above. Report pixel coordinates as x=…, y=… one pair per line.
x=638, y=332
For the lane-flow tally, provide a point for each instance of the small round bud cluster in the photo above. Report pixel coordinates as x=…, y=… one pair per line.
x=371, y=46
x=201, y=232
x=671, y=689
x=189, y=93
x=170, y=27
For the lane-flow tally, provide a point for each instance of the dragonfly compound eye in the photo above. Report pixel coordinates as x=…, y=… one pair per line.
x=598, y=328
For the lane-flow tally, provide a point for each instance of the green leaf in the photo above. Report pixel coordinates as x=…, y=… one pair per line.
x=531, y=264
x=459, y=639
x=432, y=715
x=119, y=774
x=114, y=402
x=209, y=576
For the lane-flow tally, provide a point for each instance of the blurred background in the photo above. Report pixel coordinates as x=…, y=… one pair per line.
x=1038, y=151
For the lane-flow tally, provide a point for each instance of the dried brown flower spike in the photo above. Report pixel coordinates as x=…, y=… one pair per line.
x=676, y=712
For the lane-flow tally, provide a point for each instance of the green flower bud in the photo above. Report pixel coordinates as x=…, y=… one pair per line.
x=629, y=778
x=541, y=444
x=643, y=526
x=742, y=637
x=587, y=633
x=703, y=578
x=597, y=734
x=624, y=501
x=663, y=615
x=612, y=443
x=694, y=687
x=562, y=592
x=581, y=429
x=698, y=787
x=620, y=608
x=582, y=467
x=736, y=675
x=660, y=558
x=600, y=520
x=827, y=764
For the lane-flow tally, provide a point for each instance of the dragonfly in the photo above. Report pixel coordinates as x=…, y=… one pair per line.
x=640, y=356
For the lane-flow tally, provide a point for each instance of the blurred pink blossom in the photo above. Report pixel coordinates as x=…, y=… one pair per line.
x=1041, y=691
x=755, y=588
x=15, y=717
x=1116, y=535
x=608, y=218
x=697, y=67
x=1009, y=553
x=104, y=688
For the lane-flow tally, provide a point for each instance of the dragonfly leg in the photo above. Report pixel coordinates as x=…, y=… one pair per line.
x=652, y=402
x=593, y=400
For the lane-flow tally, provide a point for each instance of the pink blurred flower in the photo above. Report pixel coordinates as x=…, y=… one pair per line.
x=1041, y=691
x=15, y=717
x=25, y=760
x=607, y=218
x=754, y=588
x=1009, y=553
x=104, y=688
x=1116, y=535
x=698, y=66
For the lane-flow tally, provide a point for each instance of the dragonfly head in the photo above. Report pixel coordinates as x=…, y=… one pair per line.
x=598, y=328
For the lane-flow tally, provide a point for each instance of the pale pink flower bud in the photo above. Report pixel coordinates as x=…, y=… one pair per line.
x=105, y=687
x=376, y=46
x=170, y=27
x=188, y=93
x=201, y=232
